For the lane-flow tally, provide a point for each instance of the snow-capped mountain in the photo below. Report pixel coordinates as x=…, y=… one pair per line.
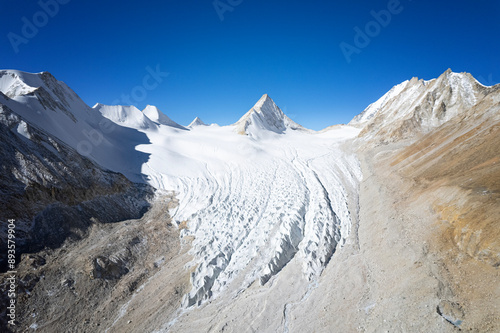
x=196, y=122
x=153, y=113
x=52, y=106
x=275, y=216
x=196, y=164
x=47, y=179
x=127, y=116
x=265, y=116
x=415, y=106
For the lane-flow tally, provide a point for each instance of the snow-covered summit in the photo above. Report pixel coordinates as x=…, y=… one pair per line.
x=42, y=91
x=17, y=83
x=153, y=113
x=48, y=104
x=196, y=122
x=128, y=116
x=373, y=108
x=417, y=106
x=265, y=116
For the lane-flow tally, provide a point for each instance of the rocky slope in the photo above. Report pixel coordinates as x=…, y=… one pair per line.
x=416, y=107
x=54, y=194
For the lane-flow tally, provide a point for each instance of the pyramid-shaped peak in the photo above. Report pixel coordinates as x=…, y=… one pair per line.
x=264, y=100
x=266, y=106
x=450, y=75
x=265, y=116
x=265, y=97
x=197, y=122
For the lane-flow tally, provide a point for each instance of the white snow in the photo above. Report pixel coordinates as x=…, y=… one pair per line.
x=263, y=118
x=373, y=108
x=22, y=129
x=15, y=83
x=128, y=116
x=423, y=104
x=196, y=122
x=255, y=195
x=153, y=113
x=275, y=198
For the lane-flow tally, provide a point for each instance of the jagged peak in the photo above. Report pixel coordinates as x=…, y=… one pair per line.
x=419, y=106
x=17, y=83
x=463, y=84
x=266, y=105
x=125, y=115
x=196, y=122
x=265, y=115
x=265, y=99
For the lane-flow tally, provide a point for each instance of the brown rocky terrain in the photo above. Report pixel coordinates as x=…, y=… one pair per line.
x=127, y=276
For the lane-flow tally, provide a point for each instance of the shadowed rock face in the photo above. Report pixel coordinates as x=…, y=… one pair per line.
x=53, y=192
x=116, y=276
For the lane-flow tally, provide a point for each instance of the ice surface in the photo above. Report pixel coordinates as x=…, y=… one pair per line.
x=252, y=206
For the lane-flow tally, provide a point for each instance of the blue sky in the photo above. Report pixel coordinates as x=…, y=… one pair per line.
x=219, y=68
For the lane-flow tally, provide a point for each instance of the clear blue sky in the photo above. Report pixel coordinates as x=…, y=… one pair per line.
x=219, y=68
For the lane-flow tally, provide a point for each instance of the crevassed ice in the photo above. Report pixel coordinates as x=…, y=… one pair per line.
x=253, y=219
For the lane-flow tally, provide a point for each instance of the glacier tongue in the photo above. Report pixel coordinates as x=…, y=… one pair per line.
x=249, y=220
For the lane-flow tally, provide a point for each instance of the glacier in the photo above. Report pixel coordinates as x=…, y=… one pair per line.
x=262, y=224
x=252, y=203
x=253, y=196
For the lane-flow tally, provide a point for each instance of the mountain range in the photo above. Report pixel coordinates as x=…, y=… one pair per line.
x=136, y=223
